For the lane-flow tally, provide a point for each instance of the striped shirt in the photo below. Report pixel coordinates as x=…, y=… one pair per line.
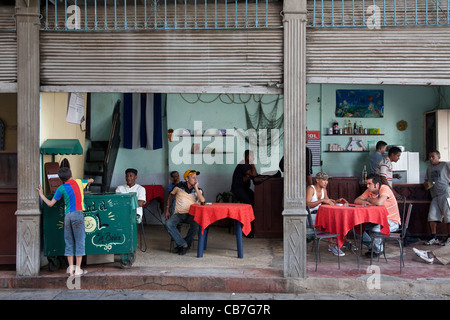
x=390, y=203
x=384, y=169
x=73, y=194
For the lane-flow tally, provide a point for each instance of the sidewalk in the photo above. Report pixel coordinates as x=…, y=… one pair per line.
x=259, y=272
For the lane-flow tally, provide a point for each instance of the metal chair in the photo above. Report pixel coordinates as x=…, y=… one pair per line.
x=172, y=210
x=398, y=236
x=142, y=244
x=319, y=235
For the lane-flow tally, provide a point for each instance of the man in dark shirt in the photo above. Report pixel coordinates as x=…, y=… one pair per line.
x=242, y=176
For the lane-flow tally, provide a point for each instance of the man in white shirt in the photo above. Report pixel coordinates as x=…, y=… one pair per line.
x=132, y=186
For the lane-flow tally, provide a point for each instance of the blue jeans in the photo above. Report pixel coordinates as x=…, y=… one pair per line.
x=376, y=228
x=176, y=219
x=74, y=234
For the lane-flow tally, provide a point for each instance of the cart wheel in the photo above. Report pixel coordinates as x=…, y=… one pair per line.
x=53, y=264
x=127, y=259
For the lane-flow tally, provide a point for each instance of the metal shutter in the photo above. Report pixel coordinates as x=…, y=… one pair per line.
x=8, y=52
x=410, y=55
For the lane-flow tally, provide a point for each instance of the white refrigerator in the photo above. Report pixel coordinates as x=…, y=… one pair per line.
x=408, y=168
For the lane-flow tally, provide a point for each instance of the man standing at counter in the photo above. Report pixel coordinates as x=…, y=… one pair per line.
x=132, y=186
x=377, y=156
x=185, y=193
x=378, y=194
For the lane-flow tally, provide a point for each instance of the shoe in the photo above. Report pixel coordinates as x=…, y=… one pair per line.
x=446, y=242
x=182, y=250
x=431, y=241
x=82, y=273
x=336, y=251
x=422, y=254
x=374, y=255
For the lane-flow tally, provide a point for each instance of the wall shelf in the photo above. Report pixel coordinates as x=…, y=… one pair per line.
x=347, y=151
x=353, y=135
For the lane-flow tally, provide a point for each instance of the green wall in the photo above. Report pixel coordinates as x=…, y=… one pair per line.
x=227, y=111
x=400, y=103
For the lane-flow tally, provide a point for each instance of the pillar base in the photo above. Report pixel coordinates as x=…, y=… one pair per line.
x=294, y=233
x=28, y=242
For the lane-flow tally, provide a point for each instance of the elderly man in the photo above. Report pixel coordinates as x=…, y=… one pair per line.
x=379, y=194
x=131, y=186
x=185, y=193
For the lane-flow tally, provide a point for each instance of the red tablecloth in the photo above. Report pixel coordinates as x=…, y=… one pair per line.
x=210, y=213
x=154, y=192
x=341, y=219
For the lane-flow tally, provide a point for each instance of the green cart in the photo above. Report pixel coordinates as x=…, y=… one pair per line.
x=110, y=222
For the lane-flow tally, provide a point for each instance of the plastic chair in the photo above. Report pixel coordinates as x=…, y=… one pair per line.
x=319, y=235
x=399, y=236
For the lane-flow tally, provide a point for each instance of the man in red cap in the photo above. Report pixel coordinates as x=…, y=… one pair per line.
x=183, y=195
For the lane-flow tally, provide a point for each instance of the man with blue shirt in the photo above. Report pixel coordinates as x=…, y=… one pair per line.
x=377, y=156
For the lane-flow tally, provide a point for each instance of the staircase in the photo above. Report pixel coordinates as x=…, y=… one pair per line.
x=101, y=156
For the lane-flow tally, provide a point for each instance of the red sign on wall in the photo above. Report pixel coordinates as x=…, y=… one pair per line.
x=313, y=135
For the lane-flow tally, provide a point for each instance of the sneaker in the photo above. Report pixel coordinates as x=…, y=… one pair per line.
x=369, y=254
x=445, y=243
x=422, y=254
x=336, y=251
x=431, y=241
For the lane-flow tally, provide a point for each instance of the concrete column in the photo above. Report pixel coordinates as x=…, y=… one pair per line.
x=294, y=12
x=28, y=213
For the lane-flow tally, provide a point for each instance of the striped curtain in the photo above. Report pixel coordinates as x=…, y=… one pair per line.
x=142, y=119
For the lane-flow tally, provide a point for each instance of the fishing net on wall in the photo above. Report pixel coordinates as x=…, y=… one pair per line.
x=265, y=130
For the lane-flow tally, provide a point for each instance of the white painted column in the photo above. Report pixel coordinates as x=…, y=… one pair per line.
x=294, y=12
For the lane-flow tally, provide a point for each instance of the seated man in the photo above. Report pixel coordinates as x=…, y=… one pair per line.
x=185, y=193
x=174, y=180
x=316, y=195
x=132, y=186
x=378, y=194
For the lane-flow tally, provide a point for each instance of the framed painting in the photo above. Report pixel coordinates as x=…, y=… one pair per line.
x=360, y=103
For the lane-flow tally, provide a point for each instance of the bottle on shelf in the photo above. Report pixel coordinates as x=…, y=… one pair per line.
x=364, y=175
x=355, y=128
x=335, y=128
x=361, y=131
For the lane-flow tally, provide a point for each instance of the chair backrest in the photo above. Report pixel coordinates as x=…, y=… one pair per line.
x=309, y=218
x=406, y=220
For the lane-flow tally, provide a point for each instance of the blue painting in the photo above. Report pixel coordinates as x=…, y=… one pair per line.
x=359, y=103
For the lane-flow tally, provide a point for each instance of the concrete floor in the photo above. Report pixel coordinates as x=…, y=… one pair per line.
x=260, y=271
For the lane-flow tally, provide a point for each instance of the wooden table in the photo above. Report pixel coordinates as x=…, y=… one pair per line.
x=207, y=214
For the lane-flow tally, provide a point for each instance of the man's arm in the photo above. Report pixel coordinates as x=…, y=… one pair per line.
x=169, y=202
x=362, y=199
x=200, y=196
x=378, y=201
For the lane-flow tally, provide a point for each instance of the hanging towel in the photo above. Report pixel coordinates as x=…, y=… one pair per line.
x=142, y=119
